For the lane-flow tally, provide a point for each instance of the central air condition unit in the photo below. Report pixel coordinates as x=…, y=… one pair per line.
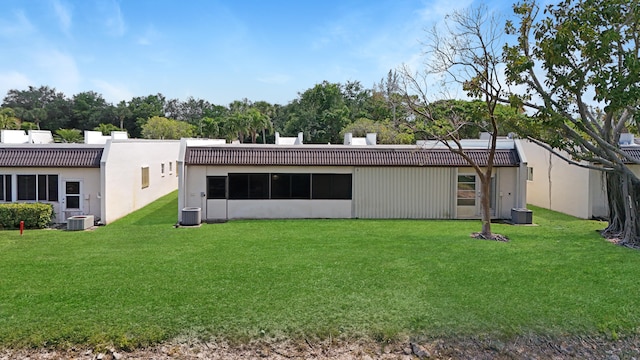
x=80, y=222
x=191, y=216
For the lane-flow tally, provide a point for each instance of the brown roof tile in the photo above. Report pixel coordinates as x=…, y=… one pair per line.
x=348, y=156
x=50, y=157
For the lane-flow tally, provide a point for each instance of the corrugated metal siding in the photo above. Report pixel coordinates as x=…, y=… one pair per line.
x=403, y=193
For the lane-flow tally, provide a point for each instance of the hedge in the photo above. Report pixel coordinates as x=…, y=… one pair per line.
x=34, y=215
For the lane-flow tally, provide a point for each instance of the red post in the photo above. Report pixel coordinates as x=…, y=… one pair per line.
x=21, y=227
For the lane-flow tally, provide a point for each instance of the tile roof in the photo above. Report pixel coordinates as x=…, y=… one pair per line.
x=50, y=157
x=347, y=156
x=632, y=151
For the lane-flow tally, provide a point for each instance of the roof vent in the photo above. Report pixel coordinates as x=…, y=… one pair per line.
x=626, y=139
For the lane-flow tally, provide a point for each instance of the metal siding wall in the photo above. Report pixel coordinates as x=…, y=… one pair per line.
x=403, y=193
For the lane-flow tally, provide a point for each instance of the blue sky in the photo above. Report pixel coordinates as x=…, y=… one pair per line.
x=219, y=51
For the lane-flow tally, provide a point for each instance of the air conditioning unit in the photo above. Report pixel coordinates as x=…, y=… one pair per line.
x=521, y=216
x=191, y=216
x=80, y=222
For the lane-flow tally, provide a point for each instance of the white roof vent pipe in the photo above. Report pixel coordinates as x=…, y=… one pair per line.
x=299, y=139
x=371, y=138
x=348, y=138
x=626, y=139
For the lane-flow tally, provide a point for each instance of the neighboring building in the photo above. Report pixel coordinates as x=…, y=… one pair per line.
x=237, y=181
x=555, y=184
x=107, y=180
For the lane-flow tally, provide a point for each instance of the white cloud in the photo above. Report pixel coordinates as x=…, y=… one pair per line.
x=114, y=19
x=113, y=93
x=17, y=26
x=13, y=80
x=62, y=70
x=63, y=13
x=275, y=79
x=149, y=37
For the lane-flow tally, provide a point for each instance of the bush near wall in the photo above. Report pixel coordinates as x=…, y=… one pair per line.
x=34, y=215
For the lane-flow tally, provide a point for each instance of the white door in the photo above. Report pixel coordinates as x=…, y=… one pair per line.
x=72, y=198
x=468, y=196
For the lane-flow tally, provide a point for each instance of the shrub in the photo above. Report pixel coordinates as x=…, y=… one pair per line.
x=34, y=215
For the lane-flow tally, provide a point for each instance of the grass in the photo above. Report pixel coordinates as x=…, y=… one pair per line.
x=140, y=281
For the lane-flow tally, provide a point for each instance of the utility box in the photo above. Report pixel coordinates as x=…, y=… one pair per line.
x=80, y=222
x=521, y=216
x=191, y=216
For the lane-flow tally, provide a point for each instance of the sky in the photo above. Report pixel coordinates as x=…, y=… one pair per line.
x=219, y=51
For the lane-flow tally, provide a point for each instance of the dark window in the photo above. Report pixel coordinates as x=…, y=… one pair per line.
x=72, y=191
x=42, y=187
x=48, y=187
x=5, y=187
x=8, y=196
x=248, y=186
x=331, y=186
x=466, y=190
x=290, y=186
x=216, y=187
x=53, y=187
x=26, y=187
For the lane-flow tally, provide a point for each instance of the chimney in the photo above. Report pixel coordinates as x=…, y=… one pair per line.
x=371, y=138
x=348, y=138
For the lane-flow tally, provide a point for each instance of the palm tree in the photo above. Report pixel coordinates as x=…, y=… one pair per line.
x=68, y=136
x=258, y=122
x=8, y=119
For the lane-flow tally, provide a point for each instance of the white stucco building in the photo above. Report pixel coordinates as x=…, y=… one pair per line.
x=107, y=180
x=555, y=184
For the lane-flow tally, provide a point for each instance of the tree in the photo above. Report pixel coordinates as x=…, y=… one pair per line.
x=106, y=129
x=385, y=130
x=122, y=112
x=158, y=127
x=466, y=53
x=43, y=106
x=320, y=112
x=8, y=119
x=68, y=136
x=90, y=109
x=581, y=68
x=142, y=109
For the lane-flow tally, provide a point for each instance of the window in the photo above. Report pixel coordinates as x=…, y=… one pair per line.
x=331, y=186
x=170, y=167
x=529, y=173
x=26, y=187
x=35, y=187
x=248, y=186
x=216, y=187
x=466, y=190
x=145, y=177
x=290, y=186
x=72, y=193
x=162, y=169
x=5, y=188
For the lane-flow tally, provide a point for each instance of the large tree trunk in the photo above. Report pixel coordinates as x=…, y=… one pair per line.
x=485, y=205
x=623, y=194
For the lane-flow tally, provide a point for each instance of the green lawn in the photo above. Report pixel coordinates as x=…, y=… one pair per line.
x=140, y=280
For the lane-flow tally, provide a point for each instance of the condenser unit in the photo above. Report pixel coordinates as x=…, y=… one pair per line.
x=191, y=216
x=80, y=222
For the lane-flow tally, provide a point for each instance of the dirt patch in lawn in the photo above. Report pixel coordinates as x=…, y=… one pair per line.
x=464, y=348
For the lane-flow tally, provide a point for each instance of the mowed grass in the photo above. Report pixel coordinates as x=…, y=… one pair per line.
x=140, y=280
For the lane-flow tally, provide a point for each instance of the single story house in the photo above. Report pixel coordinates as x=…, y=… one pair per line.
x=107, y=180
x=237, y=181
x=555, y=184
